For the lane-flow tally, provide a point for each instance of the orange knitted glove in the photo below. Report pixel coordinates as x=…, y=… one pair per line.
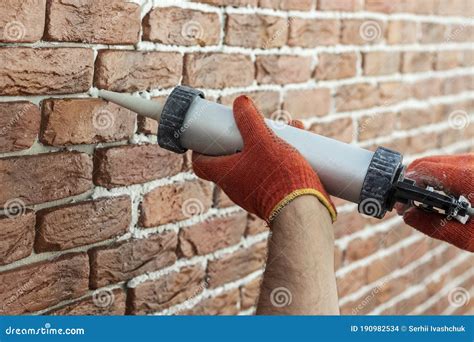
x=455, y=176
x=267, y=174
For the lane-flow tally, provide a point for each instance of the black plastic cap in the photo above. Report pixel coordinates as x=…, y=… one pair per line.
x=384, y=169
x=173, y=115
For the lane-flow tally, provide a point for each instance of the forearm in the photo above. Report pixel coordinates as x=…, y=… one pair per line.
x=300, y=262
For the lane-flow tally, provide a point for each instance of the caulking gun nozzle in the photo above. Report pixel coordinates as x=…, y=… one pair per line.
x=148, y=108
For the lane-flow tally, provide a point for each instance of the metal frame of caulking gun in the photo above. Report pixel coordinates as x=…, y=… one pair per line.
x=373, y=180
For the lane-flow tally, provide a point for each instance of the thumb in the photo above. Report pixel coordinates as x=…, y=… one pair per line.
x=250, y=122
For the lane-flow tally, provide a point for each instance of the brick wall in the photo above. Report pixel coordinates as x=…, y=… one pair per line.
x=97, y=219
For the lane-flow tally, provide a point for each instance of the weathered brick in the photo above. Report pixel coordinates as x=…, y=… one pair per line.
x=125, y=260
x=180, y=26
x=146, y=125
x=412, y=118
x=361, y=32
x=361, y=247
x=16, y=236
x=429, y=87
x=303, y=104
x=38, y=286
x=125, y=165
x=22, y=21
x=223, y=304
x=351, y=281
x=348, y=223
x=340, y=5
x=456, y=84
x=356, y=96
x=128, y=71
x=221, y=200
x=376, y=125
x=19, y=122
x=266, y=101
x=211, y=235
x=85, y=121
x=256, y=31
x=458, y=33
x=236, y=3
x=80, y=224
x=169, y=290
x=415, y=61
x=311, y=33
x=103, y=302
x=336, y=66
x=401, y=32
x=217, y=70
x=467, y=58
x=175, y=202
x=454, y=8
x=249, y=294
x=432, y=33
x=381, y=63
x=236, y=265
x=255, y=225
x=392, y=92
x=340, y=129
x=447, y=60
x=283, y=69
x=28, y=71
x=285, y=5
x=100, y=21
x=45, y=177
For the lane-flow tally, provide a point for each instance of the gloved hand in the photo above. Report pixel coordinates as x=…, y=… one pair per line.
x=455, y=176
x=267, y=174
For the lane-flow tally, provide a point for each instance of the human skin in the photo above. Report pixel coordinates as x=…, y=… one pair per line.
x=299, y=278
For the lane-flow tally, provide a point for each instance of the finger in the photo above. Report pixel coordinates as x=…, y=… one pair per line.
x=250, y=122
x=448, y=159
x=211, y=168
x=297, y=124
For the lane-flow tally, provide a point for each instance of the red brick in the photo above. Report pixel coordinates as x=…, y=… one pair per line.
x=40, y=285
x=85, y=121
x=455, y=84
x=102, y=21
x=412, y=118
x=17, y=233
x=285, y=5
x=80, y=224
x=361, y=32
x=392, y=92
x=352, y=281
x=236, y=265
x=249, y=294
x=211, y=235
x=336, y=66
x=381, y=63
x=283, y=69
x=221, y=200
x=125, y=165
x=217, y=70
x=361, y=247
x=458, y=33
x=266, y=101
x=356, y=96
x=426, y=88
x=128, y=71
x=175, y=202
x=28, y=71
x=20, y=122
x=125, y=260
x=447, y=60
x=103, y=302
x=22, y=21
x=348, y=223
x=224, y=304
x=146, y=125
x=401, y=32
x=311, y=33
x=384, y=6
x=180, y=26
x=376, y=125
x=340, y=5
x=467, y=58
x=303, y=104
x=168, y=290
x=432, y=33
x=45, y=177
x=255, y=225
x=454, y=8
x=236, y=3
x=415, y=61
x=340, y=129
x=256, y=31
